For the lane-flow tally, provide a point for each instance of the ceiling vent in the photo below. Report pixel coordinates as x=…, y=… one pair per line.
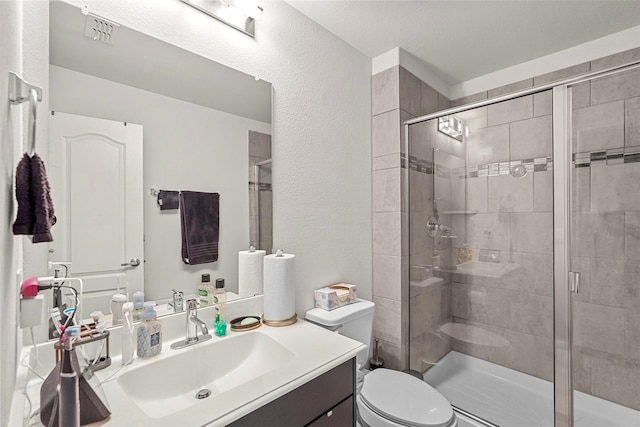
x=101, y=29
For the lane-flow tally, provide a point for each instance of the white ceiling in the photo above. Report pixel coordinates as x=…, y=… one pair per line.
x=462, y=40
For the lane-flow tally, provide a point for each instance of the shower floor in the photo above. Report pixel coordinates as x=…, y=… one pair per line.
x=509, y=398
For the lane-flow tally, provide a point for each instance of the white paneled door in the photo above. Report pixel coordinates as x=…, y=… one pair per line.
x=95, y=169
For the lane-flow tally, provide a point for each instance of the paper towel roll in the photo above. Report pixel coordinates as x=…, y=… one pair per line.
x=250, y=272
x=279, y=287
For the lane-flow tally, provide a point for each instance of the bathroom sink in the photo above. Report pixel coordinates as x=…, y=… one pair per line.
x=170, y=383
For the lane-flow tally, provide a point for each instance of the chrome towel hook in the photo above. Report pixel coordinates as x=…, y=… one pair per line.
x=19, y=92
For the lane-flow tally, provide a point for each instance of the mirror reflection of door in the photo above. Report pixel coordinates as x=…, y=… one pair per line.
x=96, y=186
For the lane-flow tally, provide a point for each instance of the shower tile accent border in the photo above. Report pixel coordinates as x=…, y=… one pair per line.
x=612, y=156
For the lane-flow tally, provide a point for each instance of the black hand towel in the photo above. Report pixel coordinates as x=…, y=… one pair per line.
x=168, y=200
x=35, y=208
x=200, y=221
x=25, y=217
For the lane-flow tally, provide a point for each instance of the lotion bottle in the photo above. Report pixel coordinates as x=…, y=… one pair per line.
x=205, y=291
x=149, y=332
x=220, y=298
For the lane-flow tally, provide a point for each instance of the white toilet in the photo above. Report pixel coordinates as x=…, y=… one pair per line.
x=385, y=397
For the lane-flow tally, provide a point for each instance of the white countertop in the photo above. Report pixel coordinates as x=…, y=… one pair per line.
x=315, y=349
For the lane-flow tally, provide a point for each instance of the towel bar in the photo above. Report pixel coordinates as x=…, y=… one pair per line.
x=19, y=92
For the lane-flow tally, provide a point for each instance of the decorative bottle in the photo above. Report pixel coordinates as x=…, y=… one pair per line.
x=149, y=332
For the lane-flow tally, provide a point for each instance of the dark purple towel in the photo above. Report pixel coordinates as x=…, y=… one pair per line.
x=35, y=208
x=200, y=224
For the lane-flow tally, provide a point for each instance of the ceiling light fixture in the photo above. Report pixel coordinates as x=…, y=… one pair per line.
x=239, y=14
x=454, y=127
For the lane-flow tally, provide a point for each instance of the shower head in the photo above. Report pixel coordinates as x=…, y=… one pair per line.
x=518, y=171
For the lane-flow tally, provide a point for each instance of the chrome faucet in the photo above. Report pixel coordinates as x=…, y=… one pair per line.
x=192, y=327
x=178, y=299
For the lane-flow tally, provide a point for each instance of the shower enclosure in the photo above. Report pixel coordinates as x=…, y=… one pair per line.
x=524, y=236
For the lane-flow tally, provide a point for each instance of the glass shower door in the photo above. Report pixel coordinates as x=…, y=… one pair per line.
x=481, y=260
x=605, y=248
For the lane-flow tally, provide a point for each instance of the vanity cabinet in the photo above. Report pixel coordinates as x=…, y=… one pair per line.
x=328, y=400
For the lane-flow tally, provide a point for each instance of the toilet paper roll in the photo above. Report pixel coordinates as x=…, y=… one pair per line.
x=250, y=272
x=279, y=287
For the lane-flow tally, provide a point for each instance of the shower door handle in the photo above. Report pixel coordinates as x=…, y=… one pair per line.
x=574, y=281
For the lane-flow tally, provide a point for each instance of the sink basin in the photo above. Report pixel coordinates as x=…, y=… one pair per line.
x=170, y=384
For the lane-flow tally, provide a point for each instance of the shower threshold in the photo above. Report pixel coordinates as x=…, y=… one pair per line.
x=508, y=398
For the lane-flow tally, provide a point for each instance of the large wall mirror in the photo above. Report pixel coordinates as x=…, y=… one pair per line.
x=203, y=127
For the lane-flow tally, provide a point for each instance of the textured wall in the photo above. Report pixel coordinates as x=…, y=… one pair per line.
x=321, y=128
x=10, y=138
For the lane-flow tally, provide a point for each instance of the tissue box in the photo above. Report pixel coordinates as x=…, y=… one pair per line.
x=334, y=296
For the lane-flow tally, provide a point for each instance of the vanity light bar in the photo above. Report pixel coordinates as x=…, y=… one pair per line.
x=227, y=13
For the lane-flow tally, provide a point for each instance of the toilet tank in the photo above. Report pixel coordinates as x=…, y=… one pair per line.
x=354, y=321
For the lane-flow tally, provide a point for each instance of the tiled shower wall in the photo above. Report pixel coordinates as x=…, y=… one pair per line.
x=397, y=95
x=509, y=317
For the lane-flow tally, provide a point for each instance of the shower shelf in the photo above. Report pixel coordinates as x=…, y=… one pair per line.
x=469, y=212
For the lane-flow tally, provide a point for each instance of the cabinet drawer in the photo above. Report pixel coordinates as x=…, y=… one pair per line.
x=340, y=415
x=303, y=405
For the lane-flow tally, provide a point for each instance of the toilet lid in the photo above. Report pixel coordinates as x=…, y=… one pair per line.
x=405, y=399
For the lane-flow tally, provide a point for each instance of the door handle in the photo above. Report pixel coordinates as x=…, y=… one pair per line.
x=574, y=281
x=133, y=263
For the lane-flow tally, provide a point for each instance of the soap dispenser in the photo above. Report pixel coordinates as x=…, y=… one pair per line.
x=149, y=332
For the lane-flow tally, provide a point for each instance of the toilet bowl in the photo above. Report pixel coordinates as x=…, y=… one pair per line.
x=384, y=397
x=392, y=398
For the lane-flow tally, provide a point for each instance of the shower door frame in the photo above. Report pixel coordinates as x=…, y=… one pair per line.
x=563, y=279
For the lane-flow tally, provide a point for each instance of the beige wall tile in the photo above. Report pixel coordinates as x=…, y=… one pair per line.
x=387, y=321
x=632, y=122
x=531, y=314
x=616, y=59
x=385, y=91
x=543, y=191
x=564, y=73
x=387, y=233
x=410, y=92
x=387, y=277
x=620, y=86
x=469, y=99
x=614, y=188
x=386, y=189
x=509, y=194
x=542, y=103
x=489, y=231
x=476, y=189
x=510, y=111
x=632, y=334
x=510, y=88
x=532, y=232
x=385, y=162
x=385, y=134
x=616, y=379
x=581, y=191
x=581, y=369
x=615, y=283
x=529, y=139
x=598, y=235
x=598, y=127
x=598, y=327
x=581, y=95
x=488, y=145
x=429, y=99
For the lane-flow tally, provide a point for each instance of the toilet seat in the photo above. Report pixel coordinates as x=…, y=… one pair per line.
x=405, y=400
